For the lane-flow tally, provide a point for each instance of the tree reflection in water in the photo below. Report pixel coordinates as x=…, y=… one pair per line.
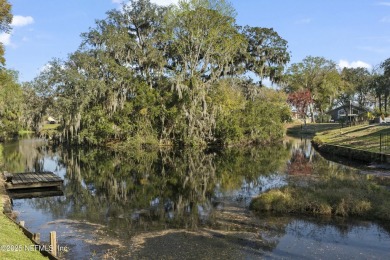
x=141, y=190
x=139, y=193
x=24, y=155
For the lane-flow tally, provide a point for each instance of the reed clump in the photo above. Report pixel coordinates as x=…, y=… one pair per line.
x=345, y=196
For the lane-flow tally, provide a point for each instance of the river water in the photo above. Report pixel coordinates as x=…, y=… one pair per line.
x=184, y=204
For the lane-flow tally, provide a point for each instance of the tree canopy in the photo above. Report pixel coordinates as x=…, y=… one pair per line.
x=11, y=102
x=179, y=75
x=170, y=76
x=317, y=75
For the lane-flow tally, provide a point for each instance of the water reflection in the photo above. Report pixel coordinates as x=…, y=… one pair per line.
x=330, y=239
x=163, y=188
x=24, y=155
x=137, y=203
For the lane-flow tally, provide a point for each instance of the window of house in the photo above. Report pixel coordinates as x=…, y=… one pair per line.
x=341, y=113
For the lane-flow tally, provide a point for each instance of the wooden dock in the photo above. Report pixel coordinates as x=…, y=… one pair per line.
x=32, y=180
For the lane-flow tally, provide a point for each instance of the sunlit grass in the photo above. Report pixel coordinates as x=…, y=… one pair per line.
x=50, y=126
x=46, y=129
x=11, y=236
x=49, y=130
x=364, y=137
x=310, y=128
x=25, y=132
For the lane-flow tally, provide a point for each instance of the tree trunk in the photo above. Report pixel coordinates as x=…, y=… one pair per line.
x=312, y=114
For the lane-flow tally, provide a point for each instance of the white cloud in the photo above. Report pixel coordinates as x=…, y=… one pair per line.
x=354, y=64
x=19, y=20
x=303, y=21
x=384, y=3
x=165, y=2
x=5, y=38
x=385, y=19
x=158, y=2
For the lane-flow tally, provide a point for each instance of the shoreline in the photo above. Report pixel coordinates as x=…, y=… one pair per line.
x=337, y=196
x=352, y=153
x=13, y=240
x=361, y=143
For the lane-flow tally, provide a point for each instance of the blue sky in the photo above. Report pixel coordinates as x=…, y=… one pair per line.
x=349, y=32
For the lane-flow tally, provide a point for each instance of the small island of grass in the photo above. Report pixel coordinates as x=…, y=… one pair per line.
x=348, y=195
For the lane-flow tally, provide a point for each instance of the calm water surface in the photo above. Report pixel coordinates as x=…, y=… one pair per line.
x=184, y=204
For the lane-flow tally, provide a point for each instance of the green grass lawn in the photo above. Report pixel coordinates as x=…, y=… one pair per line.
x=49, y=129
x=46, y=129
x=310, y=128
x=364, y=137
x=13, y=243
x=50, y=126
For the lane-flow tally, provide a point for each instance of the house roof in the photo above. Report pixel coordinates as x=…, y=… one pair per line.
x=355, y=106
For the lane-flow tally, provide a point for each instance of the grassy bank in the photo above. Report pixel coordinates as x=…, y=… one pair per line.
x=49, y=129
x=13, y=243
x=337, y=195
x=364, y=137
x=310, y=129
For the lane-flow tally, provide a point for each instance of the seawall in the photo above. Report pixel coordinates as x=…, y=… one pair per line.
x=352, y=153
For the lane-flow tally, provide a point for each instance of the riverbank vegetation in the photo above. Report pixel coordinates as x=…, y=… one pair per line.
x=334, y=194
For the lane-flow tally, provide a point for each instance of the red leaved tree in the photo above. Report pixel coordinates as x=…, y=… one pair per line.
x=299, y=164
x=301, y=100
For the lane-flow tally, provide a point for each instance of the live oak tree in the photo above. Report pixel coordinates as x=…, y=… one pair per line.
x=204, y=42
x=266, y=53
x=355, y=87
x=11, y=96
x=161, y=75
x=317, y=75
x=383, y=84
x=11, y=102
x=361, y=82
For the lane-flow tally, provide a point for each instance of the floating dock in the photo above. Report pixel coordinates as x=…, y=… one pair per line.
x=32, y=180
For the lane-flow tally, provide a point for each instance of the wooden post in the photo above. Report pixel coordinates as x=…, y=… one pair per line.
x=21, y=223
x=53, y=243
x=37, y=238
